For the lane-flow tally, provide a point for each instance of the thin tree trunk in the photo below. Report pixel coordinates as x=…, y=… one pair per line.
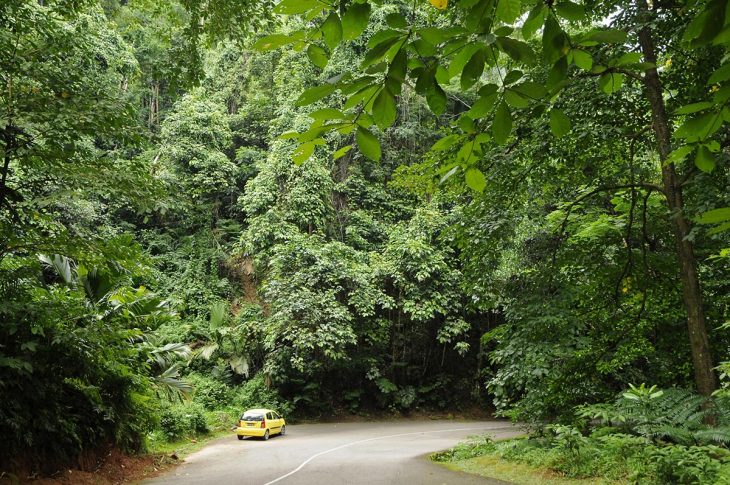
x=705, y=379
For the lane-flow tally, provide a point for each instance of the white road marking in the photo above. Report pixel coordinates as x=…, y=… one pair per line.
x=304, y=463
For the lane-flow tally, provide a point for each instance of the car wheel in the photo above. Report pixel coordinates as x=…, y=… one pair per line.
x=240, y=437
x=266, y=435
x=283, y=430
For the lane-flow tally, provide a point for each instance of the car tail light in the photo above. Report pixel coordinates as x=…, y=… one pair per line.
x=263, y=423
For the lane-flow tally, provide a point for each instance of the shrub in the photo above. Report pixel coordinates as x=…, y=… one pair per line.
x=187, y=418
x=255, y=394
x=209, y=392
x=684, y=465
x=479, y=446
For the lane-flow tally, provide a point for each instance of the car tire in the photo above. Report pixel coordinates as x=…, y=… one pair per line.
x=266, y=435
x=283, y=430
x=240, y=438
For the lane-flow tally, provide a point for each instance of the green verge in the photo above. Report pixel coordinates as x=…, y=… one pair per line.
x=185, y=446
x=570, y=458
x=492, y=466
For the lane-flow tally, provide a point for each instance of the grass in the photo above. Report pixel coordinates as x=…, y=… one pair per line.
x=185, y=446
x=492, y=466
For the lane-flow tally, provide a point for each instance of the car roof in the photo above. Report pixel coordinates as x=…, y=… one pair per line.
x=262, y=410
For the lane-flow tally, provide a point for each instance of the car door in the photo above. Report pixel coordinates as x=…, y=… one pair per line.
x=273, y=422
x=279, y=420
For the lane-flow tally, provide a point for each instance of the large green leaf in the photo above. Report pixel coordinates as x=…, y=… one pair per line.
x=317, y=55
x=559, y=123
x=570, y=11
x=332, y=30
x=516, y=49
x=502, y=124
x=384, y=109
x=475, y=179
x=355, y=20
x=294, y=7
x=314, y=94
x=368, y=144
x=472, y=70
x=611, y=82
x=508, y=10
x=705, y=160
x=303, y=152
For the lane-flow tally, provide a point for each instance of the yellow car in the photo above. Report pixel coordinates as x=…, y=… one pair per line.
x=260, y=422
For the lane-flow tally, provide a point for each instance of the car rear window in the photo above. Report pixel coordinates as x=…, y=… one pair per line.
x=252, y=417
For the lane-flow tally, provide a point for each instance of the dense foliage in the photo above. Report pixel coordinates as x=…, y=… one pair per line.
x=365, y=206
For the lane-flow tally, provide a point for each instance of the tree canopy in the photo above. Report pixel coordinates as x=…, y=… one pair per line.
x=514, y=205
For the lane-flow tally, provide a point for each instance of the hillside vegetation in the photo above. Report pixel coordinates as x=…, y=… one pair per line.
x=363, y=207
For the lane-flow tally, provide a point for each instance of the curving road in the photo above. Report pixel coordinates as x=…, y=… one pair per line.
x=393, y=452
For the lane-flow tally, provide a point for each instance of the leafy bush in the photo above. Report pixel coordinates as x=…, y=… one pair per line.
x=255, y=394
x=183, y=419
x=477, y=446
x=209, y=392
x=684, y=465
x=673, y=415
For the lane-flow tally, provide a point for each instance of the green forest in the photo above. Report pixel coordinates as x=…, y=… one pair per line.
x=336, y=207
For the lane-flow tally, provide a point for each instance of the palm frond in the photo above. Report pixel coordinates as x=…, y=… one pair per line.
x=218, y=314
x=207, y=351
x=171, y=385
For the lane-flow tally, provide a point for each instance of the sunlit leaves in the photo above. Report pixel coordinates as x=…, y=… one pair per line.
x=570, y=11
x=559, y=123
x=318, y=56
x=715, y=216
x=368, y=144
x=303, y=152
x=327, y=114
x=605, y=36
x=475, y=179
x=582, y=59
x=508, y=10
x=693, y=108
x=611, y=82
x=516, y=49
x=314, y=94
x=341, y=152
x=704, y=160
x=720, y=75
x=461, y=58
x=700, y=127
x=332, y=31
x=384, y=109
x=274, y=41
x=445, y=143
x=355, y=20
x=482, y=106
x=472, y=70
x=502, y=124
x=294, y=7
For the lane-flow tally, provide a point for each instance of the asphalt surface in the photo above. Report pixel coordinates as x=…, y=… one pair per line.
x=340, y=453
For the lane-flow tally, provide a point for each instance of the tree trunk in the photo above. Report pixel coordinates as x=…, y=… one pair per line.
x=692, y=295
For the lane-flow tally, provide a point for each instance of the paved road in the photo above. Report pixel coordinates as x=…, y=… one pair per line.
x=344, y=453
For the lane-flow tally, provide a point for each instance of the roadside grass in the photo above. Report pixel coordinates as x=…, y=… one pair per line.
x=158, y=445
x=484, y=457
x=493, y=466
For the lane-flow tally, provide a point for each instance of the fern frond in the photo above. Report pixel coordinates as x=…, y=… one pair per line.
x=719, y=435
